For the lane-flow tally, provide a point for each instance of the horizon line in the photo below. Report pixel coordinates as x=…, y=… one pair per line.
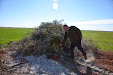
x=37, y=27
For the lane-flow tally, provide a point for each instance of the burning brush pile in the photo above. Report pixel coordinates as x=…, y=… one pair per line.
x=46, y=38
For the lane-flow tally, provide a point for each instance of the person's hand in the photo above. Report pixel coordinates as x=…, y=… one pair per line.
x=60, y=44
x=81, y=38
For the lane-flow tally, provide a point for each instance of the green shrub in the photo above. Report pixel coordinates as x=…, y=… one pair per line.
x=46, y=39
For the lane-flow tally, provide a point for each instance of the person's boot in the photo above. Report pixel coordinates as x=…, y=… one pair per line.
x=85, y=57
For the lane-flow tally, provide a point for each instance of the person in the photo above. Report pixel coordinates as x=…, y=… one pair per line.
x=75, y=37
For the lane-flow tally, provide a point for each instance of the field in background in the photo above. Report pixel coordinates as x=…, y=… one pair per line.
x=13, y=34
x=103, y=40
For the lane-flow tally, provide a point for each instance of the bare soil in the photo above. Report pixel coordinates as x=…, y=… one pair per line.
x=102, y=58
x=105, y=59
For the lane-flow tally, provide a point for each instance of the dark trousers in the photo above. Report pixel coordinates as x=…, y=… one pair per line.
x=78, y=44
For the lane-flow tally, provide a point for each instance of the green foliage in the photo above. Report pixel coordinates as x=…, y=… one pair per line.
x=44, y=39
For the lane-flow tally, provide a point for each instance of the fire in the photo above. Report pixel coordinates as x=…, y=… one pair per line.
x=53, y=45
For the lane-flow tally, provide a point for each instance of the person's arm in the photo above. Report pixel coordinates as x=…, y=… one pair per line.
x=64, y=39
x=79, y=33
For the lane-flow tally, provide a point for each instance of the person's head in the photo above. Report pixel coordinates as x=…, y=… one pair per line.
x=65, y=27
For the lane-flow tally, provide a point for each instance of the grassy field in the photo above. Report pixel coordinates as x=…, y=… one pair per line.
x=103, y=40
x=13, y=34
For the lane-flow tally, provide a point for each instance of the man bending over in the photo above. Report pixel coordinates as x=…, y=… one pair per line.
x=75, y=37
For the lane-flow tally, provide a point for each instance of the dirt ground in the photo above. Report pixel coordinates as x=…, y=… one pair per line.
x=102, y=58
x=105, y=59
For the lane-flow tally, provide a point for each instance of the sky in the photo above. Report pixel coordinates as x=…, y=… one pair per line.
x=84, y=14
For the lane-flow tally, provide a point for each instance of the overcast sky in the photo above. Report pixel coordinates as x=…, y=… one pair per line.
x=85, y=14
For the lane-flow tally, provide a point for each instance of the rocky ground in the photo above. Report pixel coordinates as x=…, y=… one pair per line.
x=12, y=64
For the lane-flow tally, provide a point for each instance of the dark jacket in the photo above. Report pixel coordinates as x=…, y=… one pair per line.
x=74, y=35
